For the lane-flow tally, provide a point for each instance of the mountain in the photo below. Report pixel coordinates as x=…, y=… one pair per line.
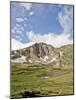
x=41, y=53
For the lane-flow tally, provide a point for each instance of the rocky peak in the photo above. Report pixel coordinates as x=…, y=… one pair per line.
x=44, y=54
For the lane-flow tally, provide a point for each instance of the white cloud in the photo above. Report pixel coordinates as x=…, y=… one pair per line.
x=31, y=13
x=27, y=6
x=17, y=29
x=25, y=18
x=22, y=28
x=65, y=18
x=55, y=40
x=50, y=38
x=12, y=30
x=15, y=44
x=19, y=19
x=25, y=25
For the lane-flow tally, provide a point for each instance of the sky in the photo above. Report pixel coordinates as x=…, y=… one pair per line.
x=36, y=22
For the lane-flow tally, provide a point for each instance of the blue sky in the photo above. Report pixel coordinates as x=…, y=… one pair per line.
x=49, y=23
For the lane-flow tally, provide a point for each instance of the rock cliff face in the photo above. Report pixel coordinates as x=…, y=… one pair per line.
x=41, y=53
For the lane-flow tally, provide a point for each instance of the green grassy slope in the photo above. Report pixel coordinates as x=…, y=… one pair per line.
x=28, y=80
x=67, y=58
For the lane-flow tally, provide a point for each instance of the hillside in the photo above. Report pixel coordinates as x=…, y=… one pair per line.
x=41, y=53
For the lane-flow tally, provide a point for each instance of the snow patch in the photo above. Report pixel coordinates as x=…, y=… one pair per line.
x=30, y=61
x=45, y=58
x=20, y=59
x=57, y=64
x=53, y=59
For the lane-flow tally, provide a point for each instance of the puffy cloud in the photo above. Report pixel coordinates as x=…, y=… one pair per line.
x=50, y=38
x=19, y=19
x=15, y=44
x=12, y=30
x=27, y=6
x=55, y=40
x=17, y=29
x=25, y=18
x=31, y=13
x=65, y=18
